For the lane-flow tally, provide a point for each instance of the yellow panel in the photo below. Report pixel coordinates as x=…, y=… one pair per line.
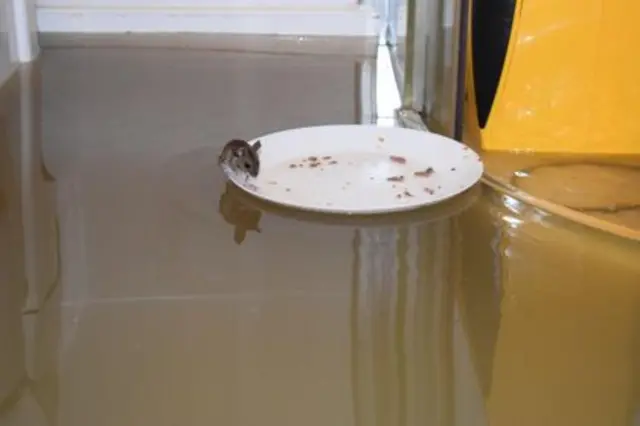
x=568, y=82
x=616, y=118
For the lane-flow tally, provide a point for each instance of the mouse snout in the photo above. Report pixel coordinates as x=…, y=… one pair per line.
x=250, y=167
x=253, y=170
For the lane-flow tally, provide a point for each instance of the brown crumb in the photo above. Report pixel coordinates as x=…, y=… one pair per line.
x=326, y=157
x=396, y=178
x=453, y=169
x=425, y=173
x=429, y=191
x=398, y=159
x=314, y=165
x=407, y=193
x=288, y=189
x=313, y=159
x=399, y=196
x=333, y=162
x=380, y=139
x=293, y=166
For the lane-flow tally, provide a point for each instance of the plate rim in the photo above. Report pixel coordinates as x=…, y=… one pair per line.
x=458, y=204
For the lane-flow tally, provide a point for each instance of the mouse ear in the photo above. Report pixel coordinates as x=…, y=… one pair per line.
x=253, y=155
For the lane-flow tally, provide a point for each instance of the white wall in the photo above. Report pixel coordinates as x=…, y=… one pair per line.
x=18, y=37
x=281, y=17
x=7, y=46
x=207, y=4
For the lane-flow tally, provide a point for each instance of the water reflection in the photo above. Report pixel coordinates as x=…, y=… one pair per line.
x=30, y=269
x=401, y=306
x=553, y=327
x=241, y=216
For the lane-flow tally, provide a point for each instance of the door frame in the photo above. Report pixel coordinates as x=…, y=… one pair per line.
x=23, y=30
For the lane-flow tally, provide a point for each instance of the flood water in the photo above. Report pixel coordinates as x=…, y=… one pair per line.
x=137, y=288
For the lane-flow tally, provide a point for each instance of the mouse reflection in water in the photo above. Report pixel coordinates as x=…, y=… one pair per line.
x=238, y=157
x=237, y=214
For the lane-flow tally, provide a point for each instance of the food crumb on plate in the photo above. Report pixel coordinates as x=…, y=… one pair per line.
x=399, y=178
x=429, y=191
x=424, y=173
x=397, y=159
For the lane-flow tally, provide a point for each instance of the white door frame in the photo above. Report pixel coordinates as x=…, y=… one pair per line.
x=25, y=30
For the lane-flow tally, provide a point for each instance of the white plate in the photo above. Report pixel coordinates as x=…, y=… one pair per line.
x=356, y=169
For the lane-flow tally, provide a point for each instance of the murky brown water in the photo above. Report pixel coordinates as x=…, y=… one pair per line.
x=137, y=288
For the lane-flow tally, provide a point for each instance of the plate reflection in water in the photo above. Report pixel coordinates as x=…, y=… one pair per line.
x=401, y=304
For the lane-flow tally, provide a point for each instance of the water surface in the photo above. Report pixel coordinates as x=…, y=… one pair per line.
x=136, y=287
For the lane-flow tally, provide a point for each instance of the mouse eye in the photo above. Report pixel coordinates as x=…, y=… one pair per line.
x=247, y=165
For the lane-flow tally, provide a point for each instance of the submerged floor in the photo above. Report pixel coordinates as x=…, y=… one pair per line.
x=137, y=288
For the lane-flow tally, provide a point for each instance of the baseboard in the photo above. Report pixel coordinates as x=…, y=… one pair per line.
x=350, y=46
x=356, y=20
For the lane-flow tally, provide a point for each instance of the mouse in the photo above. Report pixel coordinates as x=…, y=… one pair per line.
x=238, y=156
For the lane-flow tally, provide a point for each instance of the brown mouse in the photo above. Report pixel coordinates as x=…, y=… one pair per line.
x=238, y=156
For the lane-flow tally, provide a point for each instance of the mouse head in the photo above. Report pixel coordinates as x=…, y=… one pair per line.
x=241, y=156
x=247, y=160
